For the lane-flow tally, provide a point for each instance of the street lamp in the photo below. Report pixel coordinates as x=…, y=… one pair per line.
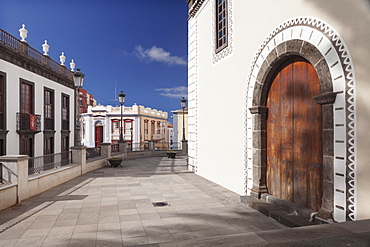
x=121, y=98
x=78, y=78
x=131, y=138
x=183, y=105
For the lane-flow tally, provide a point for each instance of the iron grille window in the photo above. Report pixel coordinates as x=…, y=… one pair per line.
x=221, y=25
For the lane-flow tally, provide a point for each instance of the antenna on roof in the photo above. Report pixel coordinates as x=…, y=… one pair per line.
x=115, y=93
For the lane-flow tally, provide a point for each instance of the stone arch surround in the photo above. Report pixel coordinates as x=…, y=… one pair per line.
x=320, y=44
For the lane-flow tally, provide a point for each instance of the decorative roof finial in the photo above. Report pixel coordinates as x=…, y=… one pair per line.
x=45, y=48
x=62, y=59
x=23, y=33
x=72, y=65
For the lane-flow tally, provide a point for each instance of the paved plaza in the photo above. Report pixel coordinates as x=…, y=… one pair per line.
x=116, y=207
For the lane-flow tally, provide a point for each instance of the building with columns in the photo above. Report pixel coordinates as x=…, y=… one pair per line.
x=278, y=101
x=101, y=124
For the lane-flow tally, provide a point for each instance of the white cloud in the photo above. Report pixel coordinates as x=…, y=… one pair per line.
x=175, y=92
x=159, y=55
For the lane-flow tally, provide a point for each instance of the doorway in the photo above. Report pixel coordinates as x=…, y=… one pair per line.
x=98, y=134
x=294, y=135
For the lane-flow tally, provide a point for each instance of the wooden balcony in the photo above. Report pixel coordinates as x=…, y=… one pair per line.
x=28, y=122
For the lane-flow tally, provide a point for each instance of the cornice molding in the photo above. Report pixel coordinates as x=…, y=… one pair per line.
x=14, y=57
x=193, y=9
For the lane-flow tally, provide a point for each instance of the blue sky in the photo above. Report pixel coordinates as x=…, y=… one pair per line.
x=139, y=47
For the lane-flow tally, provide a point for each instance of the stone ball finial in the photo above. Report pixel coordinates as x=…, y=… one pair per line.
x=45, y=48
x=23, y=33
x=62, y=59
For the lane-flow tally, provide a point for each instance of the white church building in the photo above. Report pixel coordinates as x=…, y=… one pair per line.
x=278, y=100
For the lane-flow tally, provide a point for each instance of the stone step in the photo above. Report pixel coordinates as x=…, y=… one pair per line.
x=276, y=212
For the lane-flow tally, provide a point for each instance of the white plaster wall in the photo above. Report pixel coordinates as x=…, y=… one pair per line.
x=221, y=87
x=220, y=90
x=88, y=139
x=13, y=76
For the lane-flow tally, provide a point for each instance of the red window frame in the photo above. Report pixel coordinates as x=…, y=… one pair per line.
x=128, y=126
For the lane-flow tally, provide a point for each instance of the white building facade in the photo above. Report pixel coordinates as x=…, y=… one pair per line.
x=237, y=51
x=101, y=124
x=37, y=100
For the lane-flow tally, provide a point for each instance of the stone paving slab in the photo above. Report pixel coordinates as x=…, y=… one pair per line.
x=342, y=234
x=114, y=207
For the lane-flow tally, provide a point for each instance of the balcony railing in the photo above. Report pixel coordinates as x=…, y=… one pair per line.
x=48, y=162
x=93, y=152
x=29, y=122
x=12, y=42
x=137, y=146
x=167, y=145
x=115, y=148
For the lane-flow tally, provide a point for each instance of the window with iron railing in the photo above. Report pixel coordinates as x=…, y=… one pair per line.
x=27, y=122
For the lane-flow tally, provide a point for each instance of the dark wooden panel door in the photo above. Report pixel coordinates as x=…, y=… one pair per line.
x=26, y=147
x=294, y=135
x=98, y=135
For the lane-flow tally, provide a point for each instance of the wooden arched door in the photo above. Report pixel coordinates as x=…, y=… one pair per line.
x=294, y=135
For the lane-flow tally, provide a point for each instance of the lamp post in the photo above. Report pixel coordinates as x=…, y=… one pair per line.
x=183, y=105
x=78, y=78
x=121, y=98
x=131, y=138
